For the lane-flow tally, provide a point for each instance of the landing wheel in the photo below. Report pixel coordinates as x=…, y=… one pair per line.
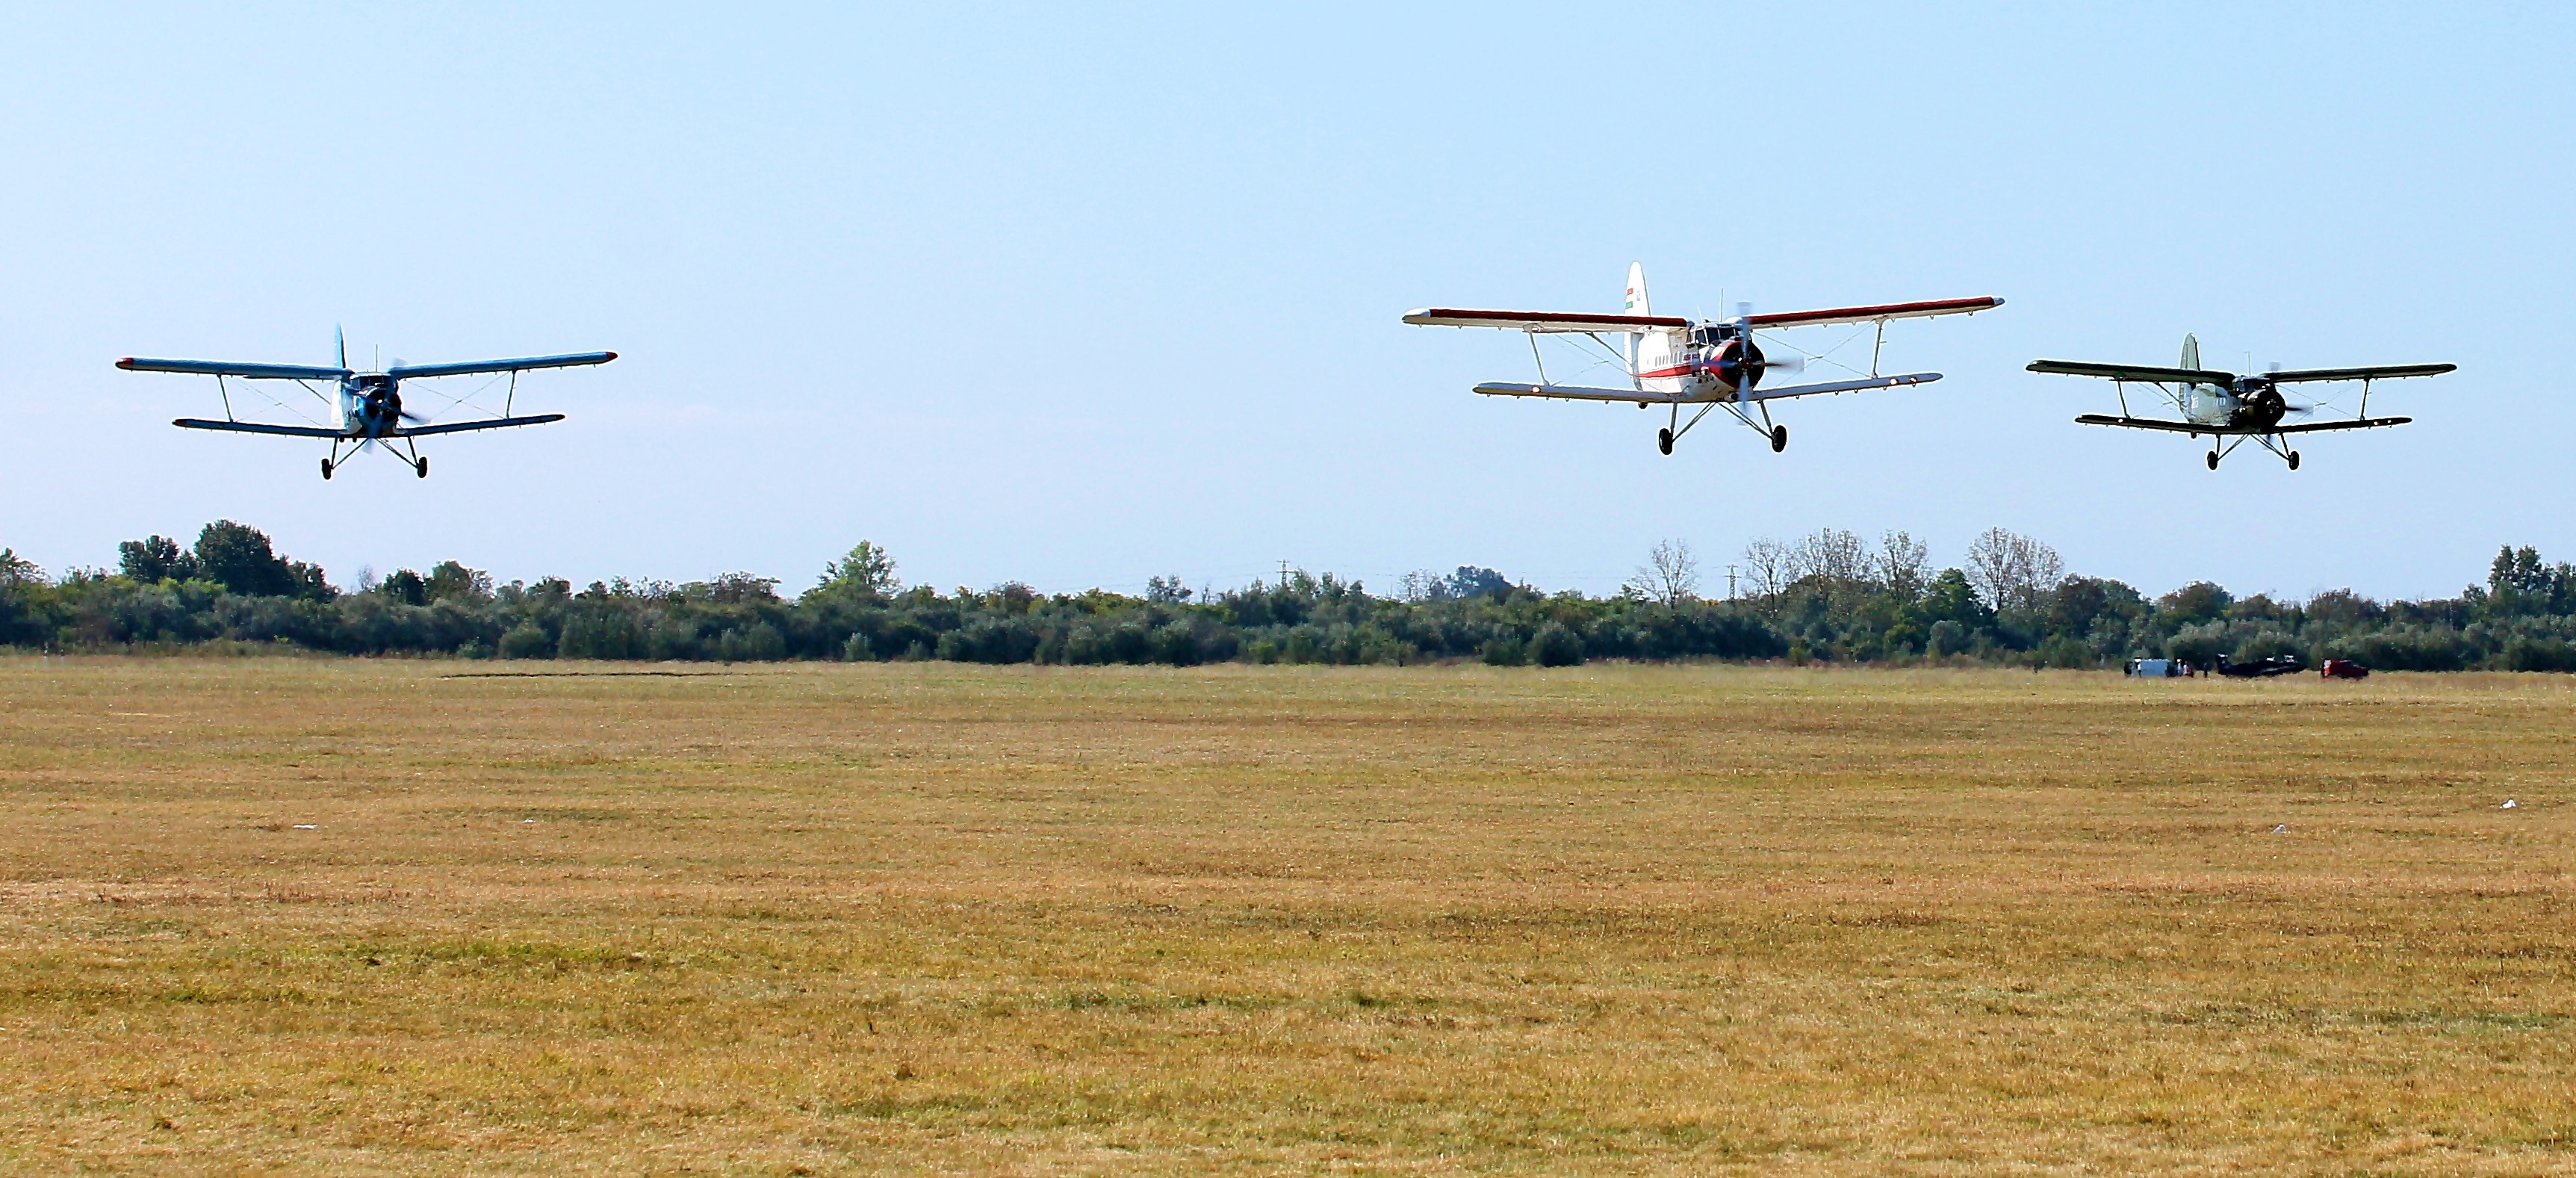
x=2294, y=460
x=1779, y=438
x=2213, y=460
x=326, y=468
x=420, y=468
x=1664, y=440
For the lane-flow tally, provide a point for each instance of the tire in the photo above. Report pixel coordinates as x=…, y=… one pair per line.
x=1779, y=438
x=326, y=470
x=2294, y=460
x=1664, y=440
x=421, y=469
x=2213, y=460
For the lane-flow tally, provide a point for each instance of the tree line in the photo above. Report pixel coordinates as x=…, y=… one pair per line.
x=1830, y=596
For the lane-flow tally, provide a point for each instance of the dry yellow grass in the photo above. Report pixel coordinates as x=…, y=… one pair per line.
x=829, y=919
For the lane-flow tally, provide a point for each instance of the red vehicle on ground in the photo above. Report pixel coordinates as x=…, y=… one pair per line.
x=2343, y=669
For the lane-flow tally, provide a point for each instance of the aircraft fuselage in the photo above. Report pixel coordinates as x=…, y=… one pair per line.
x=370, y=404
x=1700, y=360
x=2251, y=404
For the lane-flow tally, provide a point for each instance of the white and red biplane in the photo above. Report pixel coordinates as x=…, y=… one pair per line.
x=1713, y=364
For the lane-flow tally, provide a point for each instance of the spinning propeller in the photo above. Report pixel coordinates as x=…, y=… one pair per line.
x=1744, y=352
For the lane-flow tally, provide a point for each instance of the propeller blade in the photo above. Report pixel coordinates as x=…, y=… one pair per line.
x=1792, y=364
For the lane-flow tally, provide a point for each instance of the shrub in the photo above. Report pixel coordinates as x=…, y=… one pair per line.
x=1556, y=646
x=527, y=640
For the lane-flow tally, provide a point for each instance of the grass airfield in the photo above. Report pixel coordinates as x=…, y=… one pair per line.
x=824, y=919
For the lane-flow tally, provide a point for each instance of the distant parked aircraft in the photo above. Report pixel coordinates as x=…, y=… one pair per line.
x=2223, y=404
x=369, y=403
x=1712, y=364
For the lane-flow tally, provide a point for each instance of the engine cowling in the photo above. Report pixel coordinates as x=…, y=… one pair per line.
x=1739, y=364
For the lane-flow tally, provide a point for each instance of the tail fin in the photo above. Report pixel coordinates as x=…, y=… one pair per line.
x=341, y=338
x=2191, y=352
x=1650, y=350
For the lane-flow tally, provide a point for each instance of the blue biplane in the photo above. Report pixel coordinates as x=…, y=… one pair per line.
x=369, y=404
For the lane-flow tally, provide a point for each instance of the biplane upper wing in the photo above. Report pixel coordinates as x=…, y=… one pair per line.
x=458, y=427
x=423, y=371
x=259, y=427
x=230, y=368
x=2138, y=372
x=1641, y=397
x=1541, y=321
x=2186, y=427
x=2384, y=372
x=1874, y=314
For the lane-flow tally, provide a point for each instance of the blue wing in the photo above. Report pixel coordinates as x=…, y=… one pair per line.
x=259, y=427
x=458, y=427
x=421, y=371
x=230, y=368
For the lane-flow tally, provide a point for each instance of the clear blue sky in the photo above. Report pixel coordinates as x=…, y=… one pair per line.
x=1080, y=299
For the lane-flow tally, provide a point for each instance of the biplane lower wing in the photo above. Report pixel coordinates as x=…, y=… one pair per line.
x=260, y=427
x=315, y=431
x=2185, y=427
x=1565, y=392
x=414, y=431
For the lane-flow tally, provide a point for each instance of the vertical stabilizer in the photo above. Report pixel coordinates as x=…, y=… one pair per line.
x=1653, y=350
x=2191, y=352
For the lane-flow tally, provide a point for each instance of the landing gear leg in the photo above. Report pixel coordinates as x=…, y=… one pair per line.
x=1664, y=440
x=1779, y=438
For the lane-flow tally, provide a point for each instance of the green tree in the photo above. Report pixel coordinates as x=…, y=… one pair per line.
x=866, y=572
x=240, y=558
x=154, y=559
x=451, y=579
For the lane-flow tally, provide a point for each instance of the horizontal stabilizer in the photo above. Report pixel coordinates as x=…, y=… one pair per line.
x=1541, y=321
x=2185, y=427
x=259, y=427
x=1564, y=392
x=458, y=427
x=230, y=368
x=2134, y=372
x=1875, y=314
x=2385, y=372
x=424, y=371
